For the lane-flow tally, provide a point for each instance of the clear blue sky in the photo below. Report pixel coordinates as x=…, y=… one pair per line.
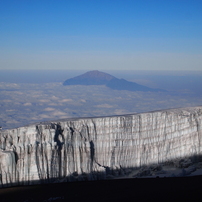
x=101, y=34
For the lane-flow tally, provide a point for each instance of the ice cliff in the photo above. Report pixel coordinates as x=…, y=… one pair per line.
x=90, y=148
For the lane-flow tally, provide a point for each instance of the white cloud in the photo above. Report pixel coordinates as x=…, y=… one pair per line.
x=44, y=100
x=120, y=111
x=54, y=97
x=12, y=122
x=58, y=113
x=49, y=109
x=104, y=106
x=44, y=116
x=27, y=104
x=66, y=100
x=53, y=104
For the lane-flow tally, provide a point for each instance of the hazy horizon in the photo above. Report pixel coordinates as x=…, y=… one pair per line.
x=34, y=96
x=168, y=80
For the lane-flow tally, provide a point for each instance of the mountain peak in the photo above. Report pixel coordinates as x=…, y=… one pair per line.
x=97, y=75
x=90, y=78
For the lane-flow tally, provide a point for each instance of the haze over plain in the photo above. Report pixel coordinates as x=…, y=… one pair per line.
x=43, y=43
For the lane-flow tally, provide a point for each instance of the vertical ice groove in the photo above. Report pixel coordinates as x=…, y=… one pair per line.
x=90, y=146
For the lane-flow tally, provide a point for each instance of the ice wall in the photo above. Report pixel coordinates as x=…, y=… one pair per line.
x=88, y=148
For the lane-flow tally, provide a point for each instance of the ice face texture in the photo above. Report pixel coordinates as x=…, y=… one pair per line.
x=89, y=148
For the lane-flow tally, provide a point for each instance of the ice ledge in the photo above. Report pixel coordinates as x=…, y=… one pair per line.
x=96, y=148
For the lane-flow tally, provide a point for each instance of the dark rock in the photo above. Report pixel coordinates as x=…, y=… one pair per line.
x=101, y=78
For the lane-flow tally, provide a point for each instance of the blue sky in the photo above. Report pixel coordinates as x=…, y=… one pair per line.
x=101, y=34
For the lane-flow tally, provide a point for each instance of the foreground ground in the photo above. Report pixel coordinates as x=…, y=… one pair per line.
x=146, y=189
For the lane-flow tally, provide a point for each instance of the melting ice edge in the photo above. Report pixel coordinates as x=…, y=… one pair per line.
x=96, y=148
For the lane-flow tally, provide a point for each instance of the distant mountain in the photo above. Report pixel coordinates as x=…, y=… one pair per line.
x=100, y=78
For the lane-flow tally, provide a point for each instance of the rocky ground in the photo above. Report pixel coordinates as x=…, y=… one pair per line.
x=145, y=189
x=169, y=181
x=178, y=168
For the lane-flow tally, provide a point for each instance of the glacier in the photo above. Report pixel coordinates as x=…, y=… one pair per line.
x=93, y=148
